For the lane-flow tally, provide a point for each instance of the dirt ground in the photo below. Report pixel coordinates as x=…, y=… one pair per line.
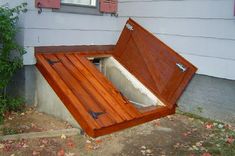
x=31, y=121
x=170, y=136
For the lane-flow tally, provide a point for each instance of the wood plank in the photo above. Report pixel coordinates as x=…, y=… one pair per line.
x=79, y=48
x=116, y=94
x=149, y=115
x=65, y=94
x=157, y=113
x=153, y=63
x=102, y=82
x=82, y=122
x=112, y=117
x=83, y=89
x=177, y=80
x=75, y=87
x=127, y=106
x=106, y=103
x=121, y=44
x=77, y=114
x=116, y=97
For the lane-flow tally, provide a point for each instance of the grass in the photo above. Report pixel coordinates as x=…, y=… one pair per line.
x=9, y=104
x=217, y=142
x=196, y=116
x=8, y=131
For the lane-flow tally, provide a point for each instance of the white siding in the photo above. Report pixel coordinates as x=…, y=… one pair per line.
x=54, y=28
x=201, y=30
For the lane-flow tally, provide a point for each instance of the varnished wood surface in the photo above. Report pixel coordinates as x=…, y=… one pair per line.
x=75, y=48
x=84, y=89
x=153, y=63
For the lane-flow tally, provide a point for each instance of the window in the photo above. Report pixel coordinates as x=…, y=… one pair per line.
x=90, y=7
x=80, y=2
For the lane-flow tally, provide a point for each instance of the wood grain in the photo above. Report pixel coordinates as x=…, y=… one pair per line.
x=153, y=63
x=83, y=88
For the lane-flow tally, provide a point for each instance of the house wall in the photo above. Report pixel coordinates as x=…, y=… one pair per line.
x=200, y=30
x=203, y=31
x=54, y=28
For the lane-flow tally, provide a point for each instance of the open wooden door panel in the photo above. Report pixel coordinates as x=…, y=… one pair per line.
x=95, y=102
x=157, y=66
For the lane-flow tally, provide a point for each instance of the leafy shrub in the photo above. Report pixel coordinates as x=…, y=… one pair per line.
x=10, y=55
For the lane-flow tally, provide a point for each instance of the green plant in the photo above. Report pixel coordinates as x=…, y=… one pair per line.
x=10, y=51
x=8, y=131
x=10, y=54
x=217, y=143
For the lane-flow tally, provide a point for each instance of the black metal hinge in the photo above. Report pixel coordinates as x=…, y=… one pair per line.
x=95, y=115
x=51, y=62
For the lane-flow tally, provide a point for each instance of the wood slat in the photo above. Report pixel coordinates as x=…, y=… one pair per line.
x=112, y=117
x=71, y=100
x=86, y=72
x=113, y=102
x=154, y=114
x=83, y=88
x=98, y=89
x=115, y=97
x=88, y=102
x=77, y=48
x=153, y=63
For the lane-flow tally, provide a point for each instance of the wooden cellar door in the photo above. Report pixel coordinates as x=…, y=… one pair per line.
x=157, y=66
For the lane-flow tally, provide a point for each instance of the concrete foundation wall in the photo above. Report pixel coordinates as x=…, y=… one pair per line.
x=210, y=97
x=23, y=84
x=48, y=102
x=33, y=87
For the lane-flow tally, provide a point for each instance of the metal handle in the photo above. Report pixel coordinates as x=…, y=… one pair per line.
x=181, y=67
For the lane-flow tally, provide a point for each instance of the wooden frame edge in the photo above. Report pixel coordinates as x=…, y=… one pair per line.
x=158, y=113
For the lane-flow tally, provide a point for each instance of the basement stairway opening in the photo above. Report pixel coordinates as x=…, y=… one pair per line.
x=139, y=80
x=128, y=85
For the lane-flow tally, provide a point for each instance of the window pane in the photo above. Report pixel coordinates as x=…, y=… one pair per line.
x=81, y=2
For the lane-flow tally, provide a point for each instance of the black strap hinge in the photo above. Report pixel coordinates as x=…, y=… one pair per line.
x=51, y=62
x=95, y=115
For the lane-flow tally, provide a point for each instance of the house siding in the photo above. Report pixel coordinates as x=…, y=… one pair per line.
x=200, y=30
x=56, y=28
x=203, y=31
